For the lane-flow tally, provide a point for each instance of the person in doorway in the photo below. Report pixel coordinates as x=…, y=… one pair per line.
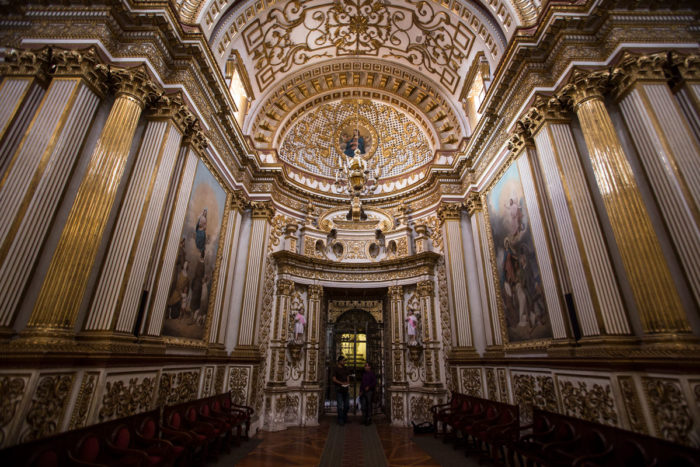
x=341, y=380
x=369, y=383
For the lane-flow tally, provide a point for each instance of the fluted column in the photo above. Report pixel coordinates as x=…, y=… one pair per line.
x=191, y=150
x=397, y=326
x=23, y=85
x=38, y=171
x=668, y=151
x=224, y=294
x=594, y=289
x=450, y=215
x=61, y=293
x=650, y=279
x=431, y=352
x=486, y=291
x=262, y=212
x=116, y=299
x=688, y=89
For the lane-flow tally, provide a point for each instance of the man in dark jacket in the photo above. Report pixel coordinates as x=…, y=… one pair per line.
x=341, y=380
x=369, y=383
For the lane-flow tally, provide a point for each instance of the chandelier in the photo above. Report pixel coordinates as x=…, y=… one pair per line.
x=352, y=176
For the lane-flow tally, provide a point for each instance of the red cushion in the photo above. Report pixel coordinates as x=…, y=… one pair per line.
x=201, y=437
x=191, y=415
x=149, y=429
x=205, y=410
x=216, y=406
x=90, y=449
x=178, y=450
x=122, y=439
x=175, y=420
x=155, y=460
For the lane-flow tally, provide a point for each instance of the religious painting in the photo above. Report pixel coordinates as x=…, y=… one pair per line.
x=356, y=134
x=188, y=300
x=524, y=309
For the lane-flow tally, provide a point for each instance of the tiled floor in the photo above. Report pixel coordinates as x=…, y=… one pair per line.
x=304, y=446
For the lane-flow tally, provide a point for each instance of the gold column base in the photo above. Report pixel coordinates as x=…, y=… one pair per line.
x=109, y=342
x=607, y=346
x=671, y=345
x=6, y=333
x=216, y=350
x=562, y=348
x=249, y=353
x=152, y=345
x=45, y=340
x=462, y=354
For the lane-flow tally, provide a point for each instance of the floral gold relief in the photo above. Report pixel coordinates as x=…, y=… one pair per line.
x=669, y=409
x=12, y=390
x=48, y=406
x=124, y=398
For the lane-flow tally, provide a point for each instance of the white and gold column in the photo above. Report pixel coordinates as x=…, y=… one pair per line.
x=116, y=299
x=313, y=333
x=650, y=279
x=262, y=213
x=688, y=89
x=38, y=171
x=191, y=150
x=486, y=290
x=61, y=294
x=278, y=341
x=450, y=215
x=224, y=294
x=597, y=299
x=24, y=80
x=668, y=151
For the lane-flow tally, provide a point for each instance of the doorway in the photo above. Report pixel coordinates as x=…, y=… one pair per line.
x=357, y=336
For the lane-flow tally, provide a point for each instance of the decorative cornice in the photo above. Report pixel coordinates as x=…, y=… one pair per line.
x=634, y=68
x=132, y=82
x=195, y=138
x=171, y=107
x=238, y=201
x=687, y=66
x=34, y=63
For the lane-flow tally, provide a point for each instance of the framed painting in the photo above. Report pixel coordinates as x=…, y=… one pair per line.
x=195, y=266
x=524, y=310
x=356, y=133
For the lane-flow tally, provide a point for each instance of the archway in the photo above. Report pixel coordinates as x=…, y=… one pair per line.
x=358, y=336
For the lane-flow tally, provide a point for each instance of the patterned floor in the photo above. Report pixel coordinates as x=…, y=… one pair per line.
x=330, y=445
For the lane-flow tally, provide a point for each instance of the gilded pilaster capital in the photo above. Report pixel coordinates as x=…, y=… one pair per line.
x=285, y=287
x=516, y=141
x=425, y=288
x=134, y=83
x=262, y=209
x=584, y=86
x=634, y=68
x=238, y=201
x=449, y=211
x=33, y=63
x=195, y=138
x=688, y=66
x=395, y=292
x=315, y=292
x=474, y=203
x=547, y=109
x=172, y=107
x=85, y=64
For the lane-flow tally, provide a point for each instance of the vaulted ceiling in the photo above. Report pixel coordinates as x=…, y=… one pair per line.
x=403, y=66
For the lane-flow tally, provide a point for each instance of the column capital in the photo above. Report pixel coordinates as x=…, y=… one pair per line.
x=238, y=200
x=315, y=292
x=474, y=203
x=585, y=85
x=517, y=141
x=634, y=68
x=30, y=63
x=449, y=211
x=688, y=66
x=194, y=136
x=84, y=63
x=262, y=209
x=395, y=292
x=134, y=83
x=285, y=287
x=547, y=109
x=172, y=107
x=425, y=288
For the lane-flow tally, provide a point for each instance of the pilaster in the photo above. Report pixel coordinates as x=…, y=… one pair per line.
x=668, y=152
x=643, y=260
x=36, y=175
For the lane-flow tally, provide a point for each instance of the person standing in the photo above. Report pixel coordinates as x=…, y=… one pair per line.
x=341, y=379
x=369, y=383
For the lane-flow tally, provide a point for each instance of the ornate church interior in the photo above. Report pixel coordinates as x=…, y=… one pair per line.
x=492, y=198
